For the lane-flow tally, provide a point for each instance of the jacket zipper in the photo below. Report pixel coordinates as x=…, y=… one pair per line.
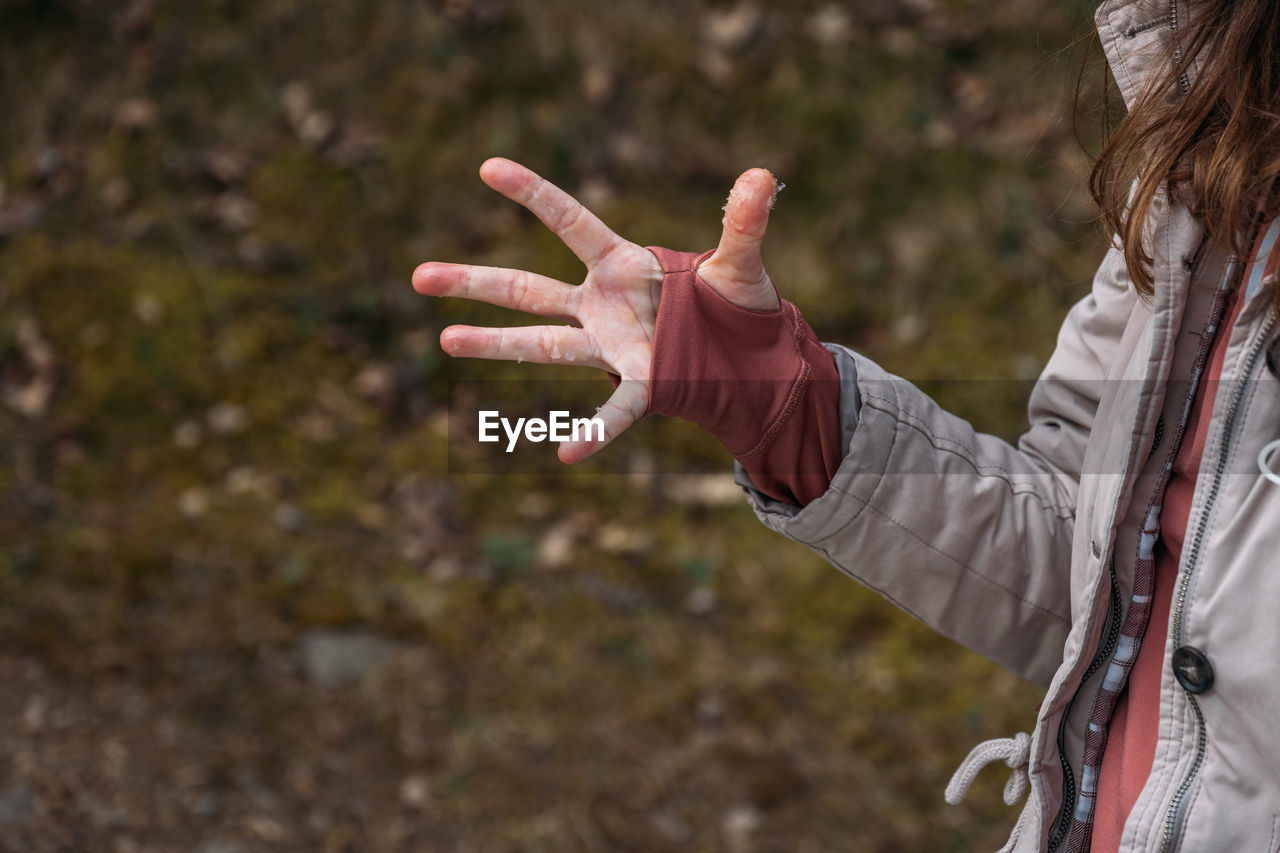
x=1171, y=19
x=1063, y=822
x=1184, y=81
x=1134, y=32
x=1173, y=815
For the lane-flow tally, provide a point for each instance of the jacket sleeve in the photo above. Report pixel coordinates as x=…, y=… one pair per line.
x=966, y=532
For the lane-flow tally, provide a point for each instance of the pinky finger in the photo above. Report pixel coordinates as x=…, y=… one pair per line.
x=621, y=410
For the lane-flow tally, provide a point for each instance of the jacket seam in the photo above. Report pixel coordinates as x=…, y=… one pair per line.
x=1059, y=511
x=784, y=523
x=920, y=423
x=1233, y=452
x=1190, y=806
x=866, y=504
x=799, y=384
x=866, y=501
x=826, y=552
x=1169, y=775
x=955, y=447
x=1120, y=56
x=951, y=557
x=1150, y=798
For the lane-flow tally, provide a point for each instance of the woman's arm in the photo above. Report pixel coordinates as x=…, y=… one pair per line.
x=968, y=533
x=965, y=531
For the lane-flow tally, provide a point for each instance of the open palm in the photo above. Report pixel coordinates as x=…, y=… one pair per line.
x=614, y=310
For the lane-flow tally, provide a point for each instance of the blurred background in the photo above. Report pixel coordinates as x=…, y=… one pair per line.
x=246, y=604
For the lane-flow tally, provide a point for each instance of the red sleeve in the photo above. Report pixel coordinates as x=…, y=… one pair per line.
x=759, y=381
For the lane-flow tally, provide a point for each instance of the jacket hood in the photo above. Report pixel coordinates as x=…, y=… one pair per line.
x=1141, y=38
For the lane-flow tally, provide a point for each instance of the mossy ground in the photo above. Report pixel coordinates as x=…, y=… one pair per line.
x=225, y=419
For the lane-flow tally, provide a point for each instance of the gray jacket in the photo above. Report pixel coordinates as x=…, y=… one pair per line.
x=1017, y=552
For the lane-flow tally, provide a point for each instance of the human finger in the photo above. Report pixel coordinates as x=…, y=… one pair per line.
x=580, y=229
x=538, y=344
x=623, y=408
x=515, y=289
x=736, y=270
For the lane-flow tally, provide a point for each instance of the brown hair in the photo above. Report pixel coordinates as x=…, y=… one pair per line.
x=1213, y=141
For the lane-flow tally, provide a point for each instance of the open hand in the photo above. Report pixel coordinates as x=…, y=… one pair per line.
x=614, y=311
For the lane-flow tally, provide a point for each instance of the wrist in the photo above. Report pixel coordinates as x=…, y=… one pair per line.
x=737, y=372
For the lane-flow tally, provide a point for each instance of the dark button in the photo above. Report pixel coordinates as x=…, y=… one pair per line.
x=1192, y=669
x=1273, y=356
x=1188, y=264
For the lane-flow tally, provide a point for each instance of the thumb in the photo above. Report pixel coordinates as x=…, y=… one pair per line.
x=736, y=270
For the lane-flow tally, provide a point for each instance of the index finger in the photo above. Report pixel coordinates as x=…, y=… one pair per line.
x=580, y=229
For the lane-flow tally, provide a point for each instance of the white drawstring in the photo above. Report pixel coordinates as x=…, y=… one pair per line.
x=1014, y=751
x=1264, y=466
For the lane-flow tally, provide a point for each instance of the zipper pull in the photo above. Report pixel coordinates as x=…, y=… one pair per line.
x=1264, y=465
